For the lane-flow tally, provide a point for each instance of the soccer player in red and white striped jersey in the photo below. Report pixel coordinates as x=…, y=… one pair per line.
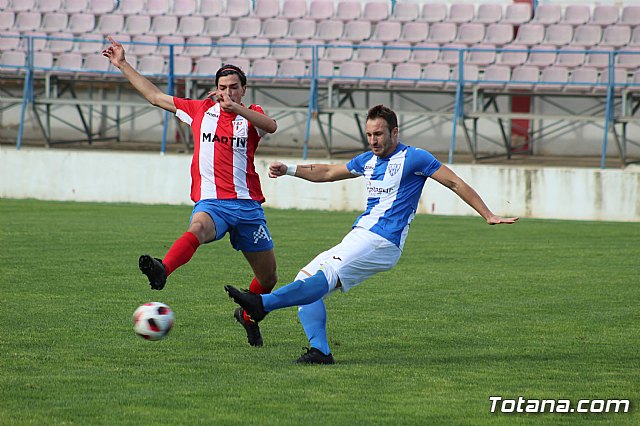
x=224, y=184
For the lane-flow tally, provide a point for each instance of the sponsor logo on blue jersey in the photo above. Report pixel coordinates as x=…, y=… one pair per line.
x=394, y=186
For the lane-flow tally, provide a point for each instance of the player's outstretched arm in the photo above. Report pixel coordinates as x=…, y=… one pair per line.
x=115, y=54
x=448, y=178
x=311, y=172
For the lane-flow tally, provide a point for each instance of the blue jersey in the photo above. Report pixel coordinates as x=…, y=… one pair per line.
x=394, y=185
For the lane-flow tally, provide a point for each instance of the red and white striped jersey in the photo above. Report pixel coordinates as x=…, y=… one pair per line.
x=224, y=146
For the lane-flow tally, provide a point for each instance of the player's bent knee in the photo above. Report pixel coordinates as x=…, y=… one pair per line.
x=205, y=233
x=270, y=281
x=331, y=273
x=302, y=274
x=267, y=281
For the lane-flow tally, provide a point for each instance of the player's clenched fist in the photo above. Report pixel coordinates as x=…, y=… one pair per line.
x=277, y=169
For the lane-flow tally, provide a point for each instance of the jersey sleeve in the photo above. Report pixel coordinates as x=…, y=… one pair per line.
x=257, y=108
x=186, y=109
x=356, y=164
x=424, y=163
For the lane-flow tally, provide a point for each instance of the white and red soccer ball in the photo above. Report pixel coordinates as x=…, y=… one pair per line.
x=153, y=320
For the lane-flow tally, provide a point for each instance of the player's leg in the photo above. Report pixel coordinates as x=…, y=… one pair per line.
x=299, y=292
x=360, y=255
x=314, y=321
x=321, y=277
x=302, y=291
x=250, y=234
x=202, y=229
x=313, y=318
x=263, y=264
x=364, y=264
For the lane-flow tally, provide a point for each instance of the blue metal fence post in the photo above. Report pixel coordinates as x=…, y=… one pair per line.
x=459, y=105
x=312, y=109
x=170, y=91
x=27, y=93
x=609, y=109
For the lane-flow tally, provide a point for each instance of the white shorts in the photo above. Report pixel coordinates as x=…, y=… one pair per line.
x=360, y=255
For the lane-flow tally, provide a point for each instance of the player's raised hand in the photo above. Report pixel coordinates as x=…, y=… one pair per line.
x=497, y=220
x=226, y=103
x=277, y=169
x=115, y=53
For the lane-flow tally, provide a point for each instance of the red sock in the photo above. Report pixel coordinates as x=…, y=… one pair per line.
x=180, y=252
x=255, y=288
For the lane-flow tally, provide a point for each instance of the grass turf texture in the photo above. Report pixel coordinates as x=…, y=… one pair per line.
x=541, y=309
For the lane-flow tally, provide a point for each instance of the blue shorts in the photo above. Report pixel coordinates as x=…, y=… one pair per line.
x=243, y=219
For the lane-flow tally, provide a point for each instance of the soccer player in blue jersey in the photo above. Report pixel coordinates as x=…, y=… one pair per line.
x=394, y=175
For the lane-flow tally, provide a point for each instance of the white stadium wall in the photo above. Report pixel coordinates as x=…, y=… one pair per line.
x=554, y=193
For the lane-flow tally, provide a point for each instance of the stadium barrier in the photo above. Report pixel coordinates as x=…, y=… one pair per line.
x=137, y=177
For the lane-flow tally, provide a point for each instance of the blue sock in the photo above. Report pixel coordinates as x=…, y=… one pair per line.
x=300, y=292
x=314, y=321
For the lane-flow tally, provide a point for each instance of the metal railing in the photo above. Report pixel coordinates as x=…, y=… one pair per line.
x=313, y=79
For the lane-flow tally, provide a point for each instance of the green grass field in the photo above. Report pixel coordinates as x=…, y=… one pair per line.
x=540, y=309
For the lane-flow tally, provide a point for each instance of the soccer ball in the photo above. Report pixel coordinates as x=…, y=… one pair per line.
x=153, y=320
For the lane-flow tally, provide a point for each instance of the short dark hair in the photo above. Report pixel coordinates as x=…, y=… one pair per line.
x=387, y=114
x=228, y=69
